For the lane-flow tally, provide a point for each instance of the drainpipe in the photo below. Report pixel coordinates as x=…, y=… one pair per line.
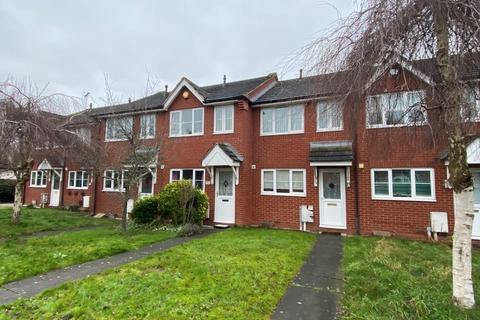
x=94, y=195
x=63, y=176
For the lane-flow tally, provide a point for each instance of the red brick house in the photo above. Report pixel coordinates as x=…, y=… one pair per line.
x=263, y=148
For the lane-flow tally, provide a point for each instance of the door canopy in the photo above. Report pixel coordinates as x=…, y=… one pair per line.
x=222, y=155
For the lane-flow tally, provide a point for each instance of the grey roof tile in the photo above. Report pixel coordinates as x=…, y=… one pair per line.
x=326, y=151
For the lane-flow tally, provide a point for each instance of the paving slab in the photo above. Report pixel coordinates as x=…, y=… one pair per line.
x=316, y=290
x=29, y=287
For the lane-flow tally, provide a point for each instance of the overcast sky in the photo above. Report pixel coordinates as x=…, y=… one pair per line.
x=71, y=44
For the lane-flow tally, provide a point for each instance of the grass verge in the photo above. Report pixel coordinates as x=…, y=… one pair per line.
x=236, y=274
x=401, y=279
x=35, y=220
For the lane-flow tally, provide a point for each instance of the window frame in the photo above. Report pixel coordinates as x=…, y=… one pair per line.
x=114, y=120
x=75, y=172
x=223, y=107
x=192, y=110
x=193, y=175
x=122, y=180
x=339, y=106
x=44, y=178
x=384, y=111
x=149, y=122
x=413, y=196
x=290, y=131
x=291, y=193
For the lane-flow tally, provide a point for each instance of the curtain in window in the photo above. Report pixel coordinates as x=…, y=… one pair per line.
x=296, y=113
x=374, y=110
x=268, y=181
x=281, y=120
x=283, y=181
x=267, y=120
x=187, y=122
x=175, y=124
x=229, y=118
x=297, y=181
x=198, y=121
x=219, y=118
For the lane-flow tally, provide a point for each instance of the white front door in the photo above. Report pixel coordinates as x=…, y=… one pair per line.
x=224, y=196
x=55, y=189
x=332, y=198
x=476, y=205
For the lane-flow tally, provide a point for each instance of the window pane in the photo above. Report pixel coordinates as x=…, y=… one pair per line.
x=175, y=175
x=297, y=181
x=199, y=179
x=323, y=117
x=402, y=186
x=374, y=111
x=423, y=187
x=175, y=123
x=71, y=179
x=395, y=108
x=336, y=115
x=187, y=122
x=44, y=178
x=225, y=183
x=110, y=128
x=281, y=120
x=147, y=183
x=198, y=121
x=296, y=118
x=229, y=118
x=187, y=175
x=267, y=120
x=78, y=180
x=476, y=188
x=331, y=185
x=380, y=179
x=268, y=181
x=283, y=181
x=85, y=179
x=219, y=119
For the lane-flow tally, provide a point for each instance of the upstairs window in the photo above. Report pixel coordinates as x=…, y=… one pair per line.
x=329, y=116
x=38, y=178
x=187, y=122
x=118, y=129
x=84, y=134
x=395, y=109
x=471, y=109
x=77, y=180
x=223, y=121
x=147, y=126
x=282, y=120
x=403, y=184
x=197, y=176
x=113, y=180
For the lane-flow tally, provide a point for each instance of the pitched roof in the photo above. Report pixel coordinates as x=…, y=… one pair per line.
x=330, y=151
x=307, y=87
x=232, y=90
x=231, y=152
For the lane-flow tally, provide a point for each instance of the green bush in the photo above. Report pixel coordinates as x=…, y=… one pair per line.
x=145, y=210
x=189, y=229
x=180, y=202
x=7, y=190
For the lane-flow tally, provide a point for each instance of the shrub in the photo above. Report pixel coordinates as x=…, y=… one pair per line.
x=145, y=210
x=182, y=203
x=189, y=229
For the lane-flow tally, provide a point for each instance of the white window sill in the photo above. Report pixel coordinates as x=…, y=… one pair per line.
x=112, y=190
x=283, y=194
x=75, y=188
x=38, y=187
x=115, y=140
x=329, y=129
x=147, y=138
x=405, y=199
x=223, y=132
x=281, y=134
x=185, y=135
x=381, y=126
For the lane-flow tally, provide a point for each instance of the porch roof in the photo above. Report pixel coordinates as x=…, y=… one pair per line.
x=222, y=154
x=331, y=151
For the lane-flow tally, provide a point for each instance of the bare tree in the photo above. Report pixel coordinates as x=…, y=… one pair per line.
x=381, y=33
x=28, y=130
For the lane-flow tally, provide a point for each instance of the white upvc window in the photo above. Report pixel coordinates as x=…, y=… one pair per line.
x=84, y=134
x=223, y=119
x=147, y=126
x=38, y=178
x=395, y=109
x=281, y=120
x=284, y=182
x=197, y=176
x=329, y=116
x=416, y=184
x=78, y=179
x=188, y=122
x=146, y=184
x=118, y=128
x=113, y=180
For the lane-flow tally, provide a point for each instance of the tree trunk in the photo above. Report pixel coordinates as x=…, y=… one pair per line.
x=124, y=214
x=462, y=249
x=17, y=203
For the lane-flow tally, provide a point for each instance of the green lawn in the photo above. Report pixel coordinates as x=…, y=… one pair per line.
x=35, y=220
x=401, y=279
x=23, y=257
x=235, y=274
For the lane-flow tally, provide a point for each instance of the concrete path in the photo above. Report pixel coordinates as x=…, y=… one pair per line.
x=31, y=286
x=316, y=290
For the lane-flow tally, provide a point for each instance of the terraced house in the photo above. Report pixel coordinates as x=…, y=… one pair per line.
x=269, y=152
